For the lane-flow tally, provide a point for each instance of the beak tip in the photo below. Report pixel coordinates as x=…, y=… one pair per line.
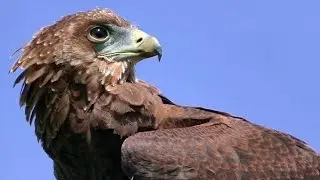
x=158, y=52
x=159, y=57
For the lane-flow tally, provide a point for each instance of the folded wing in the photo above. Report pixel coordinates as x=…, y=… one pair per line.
x=195, y=143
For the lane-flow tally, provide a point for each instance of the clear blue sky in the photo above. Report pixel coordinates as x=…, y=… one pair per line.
x=256, y=59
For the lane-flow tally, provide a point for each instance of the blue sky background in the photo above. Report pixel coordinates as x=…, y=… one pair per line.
x=256, y=59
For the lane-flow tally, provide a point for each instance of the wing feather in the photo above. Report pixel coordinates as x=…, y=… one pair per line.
x=224, y=148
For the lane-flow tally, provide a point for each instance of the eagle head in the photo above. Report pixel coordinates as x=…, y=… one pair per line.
x=94, y=45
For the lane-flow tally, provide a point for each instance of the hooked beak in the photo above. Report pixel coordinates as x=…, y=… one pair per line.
x=150, y=47
x=131, y=44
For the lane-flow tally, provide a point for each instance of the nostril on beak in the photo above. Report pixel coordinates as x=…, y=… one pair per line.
x=139, y=40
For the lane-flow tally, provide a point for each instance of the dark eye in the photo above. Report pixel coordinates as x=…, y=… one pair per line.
x=98, y=34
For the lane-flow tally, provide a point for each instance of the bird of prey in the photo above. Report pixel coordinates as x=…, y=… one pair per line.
x=96, y=121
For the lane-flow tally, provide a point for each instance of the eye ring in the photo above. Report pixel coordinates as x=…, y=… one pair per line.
x=98, y=34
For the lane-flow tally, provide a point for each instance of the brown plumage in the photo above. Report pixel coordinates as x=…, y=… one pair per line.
x=96, y=121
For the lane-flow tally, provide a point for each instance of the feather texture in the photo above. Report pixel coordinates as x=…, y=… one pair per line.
x=96, y=121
